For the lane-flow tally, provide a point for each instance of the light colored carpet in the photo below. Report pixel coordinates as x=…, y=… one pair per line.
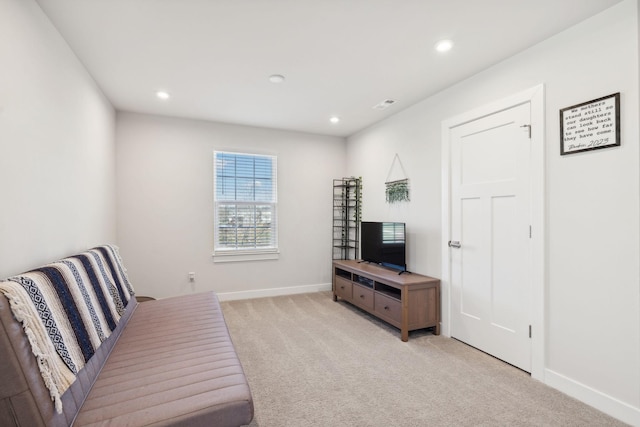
x=311, y=361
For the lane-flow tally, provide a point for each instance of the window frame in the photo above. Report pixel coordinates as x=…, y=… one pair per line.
x=242, y=253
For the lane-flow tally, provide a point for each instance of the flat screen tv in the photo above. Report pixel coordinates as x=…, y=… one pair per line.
x=383, y=243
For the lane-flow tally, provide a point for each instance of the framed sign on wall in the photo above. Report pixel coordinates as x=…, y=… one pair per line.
x=590, y=125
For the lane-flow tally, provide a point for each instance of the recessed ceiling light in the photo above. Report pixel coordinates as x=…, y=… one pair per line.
x=162, y=94
x=276, y=78
x=334, y=119
x=444, y=45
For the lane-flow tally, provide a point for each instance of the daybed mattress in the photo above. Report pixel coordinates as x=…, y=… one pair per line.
x=173, y=363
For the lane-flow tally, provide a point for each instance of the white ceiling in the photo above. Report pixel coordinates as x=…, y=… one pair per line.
x=340, y=57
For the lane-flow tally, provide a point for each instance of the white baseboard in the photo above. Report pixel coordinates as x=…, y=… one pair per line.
x=601, y=401
x=273, y=292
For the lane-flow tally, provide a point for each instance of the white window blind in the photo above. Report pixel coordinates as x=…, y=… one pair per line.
x=245, y=203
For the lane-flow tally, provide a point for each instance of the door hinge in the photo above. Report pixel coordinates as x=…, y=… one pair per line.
x=528, y=129
x=529, y=331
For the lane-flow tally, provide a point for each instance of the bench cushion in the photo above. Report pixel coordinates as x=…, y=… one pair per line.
x=173, y=363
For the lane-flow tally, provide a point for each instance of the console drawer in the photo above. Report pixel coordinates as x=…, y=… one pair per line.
x=363, y=296
x=388, y=308
x=343, y=288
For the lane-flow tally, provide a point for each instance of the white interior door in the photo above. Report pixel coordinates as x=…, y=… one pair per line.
x=490, y=218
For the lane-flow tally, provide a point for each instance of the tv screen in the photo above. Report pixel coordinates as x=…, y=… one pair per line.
x=383, y=243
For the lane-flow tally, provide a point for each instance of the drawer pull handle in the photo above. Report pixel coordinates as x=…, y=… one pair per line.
x=386, y=307
x=341, y=287
x=362, y=296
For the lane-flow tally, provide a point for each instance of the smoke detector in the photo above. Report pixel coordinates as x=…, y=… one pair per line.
x=384, y=104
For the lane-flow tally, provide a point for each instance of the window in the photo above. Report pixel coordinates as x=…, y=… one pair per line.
x=245, y=204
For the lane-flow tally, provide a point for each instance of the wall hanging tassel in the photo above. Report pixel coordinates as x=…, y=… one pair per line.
x=397, y=190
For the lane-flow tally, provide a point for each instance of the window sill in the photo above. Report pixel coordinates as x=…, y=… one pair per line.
x=244, y=256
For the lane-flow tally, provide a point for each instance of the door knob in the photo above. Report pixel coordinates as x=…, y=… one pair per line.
x=454, y=244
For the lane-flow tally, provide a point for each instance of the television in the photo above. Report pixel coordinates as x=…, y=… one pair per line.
x=383, y=243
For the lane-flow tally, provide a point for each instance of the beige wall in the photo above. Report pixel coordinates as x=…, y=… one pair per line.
x=165, y=206
x=57, y=156
x=592, y=278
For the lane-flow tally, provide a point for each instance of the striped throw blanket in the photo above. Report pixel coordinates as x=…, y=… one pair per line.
x=67, y=309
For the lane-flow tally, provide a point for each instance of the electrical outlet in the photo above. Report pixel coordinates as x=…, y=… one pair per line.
x=192, y=276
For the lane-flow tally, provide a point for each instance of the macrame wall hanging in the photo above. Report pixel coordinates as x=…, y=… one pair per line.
x=398, y=189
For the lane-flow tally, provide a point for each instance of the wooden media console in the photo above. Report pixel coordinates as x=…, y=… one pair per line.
x=407, y=301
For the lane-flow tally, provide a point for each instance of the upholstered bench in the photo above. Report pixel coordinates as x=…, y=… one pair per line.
x=163, y=362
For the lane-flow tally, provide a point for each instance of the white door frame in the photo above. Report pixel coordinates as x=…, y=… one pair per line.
x=535, y=96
